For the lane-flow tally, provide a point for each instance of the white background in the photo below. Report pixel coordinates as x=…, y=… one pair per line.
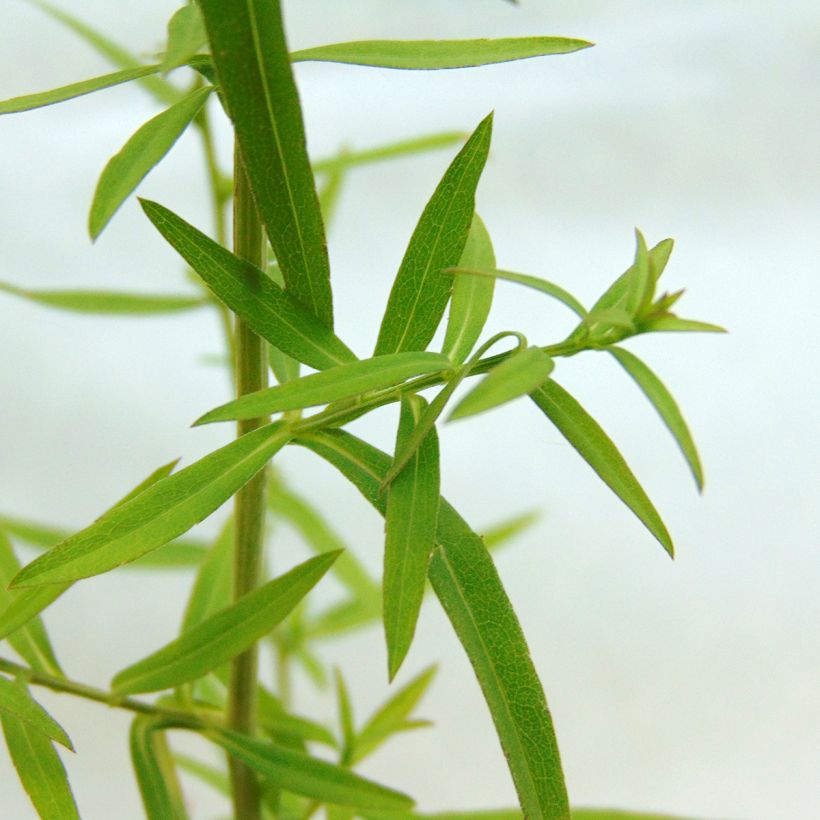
x=689, y=686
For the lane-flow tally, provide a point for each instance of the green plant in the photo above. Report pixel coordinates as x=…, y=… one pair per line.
x=273, y=294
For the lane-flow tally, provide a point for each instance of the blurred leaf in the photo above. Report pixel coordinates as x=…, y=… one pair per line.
x=281, y=724
x=421, y=291
x=40, y=770
x=515, y=814
x=224, y=635
x=333, y=384
x=154, y=769
x=612, y=814
x=410, y=534
x=267, y=309
x=213, y=584
x=186, y=35
x=499, y=534
x=472, y=296
x=213, y=777
x=106, y=302
x=597, y=449
x=670, y=323
x=159, y=514
x=256, y=81
x=149, y=144
x=16, y=701
x=516, y=376
x=467, y=584
x=346, y=616
x=345, y=719
x=435, y=54
x=662, y=400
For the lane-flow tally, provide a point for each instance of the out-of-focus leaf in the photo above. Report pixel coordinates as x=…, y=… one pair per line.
x=267, y=309
x=131, y=164
x=499, y=534
x=215, y=778
x=345, y=718
x=421, y=291
x=410, y=535
x=16, y=701
x=615, y=814
x=256, y=81
x=159, y=514
x=212, y=587
x=472, y=296
x=186, y=35
x=515, y=814
x=437, y=54
x=40, y=770
x=597, y=449
x=674, y=324
x=224, y=635
x=154, y=768
x=662, y=400
x=333, y=384
x=346, y=616
x=275, y=720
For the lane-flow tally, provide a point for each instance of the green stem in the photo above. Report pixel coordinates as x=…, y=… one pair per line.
x=249, y=503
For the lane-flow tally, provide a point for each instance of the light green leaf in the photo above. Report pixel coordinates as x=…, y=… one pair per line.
x=435, y=54
x=345, y=718
x=287, y=726
x=674, y=324
x=69, y=92
x=106, y=302
x=659, y=257
x=40, y=770
x=256, y=80
x=466, y=582
x=186, y=35
x=421, y=291
x=24, y=605
x=154, y=768
x=346, y=616
x=132, y=163
x=499, y=534
x=472, y=295
x=516, y=376
x=224, y=635
x=342, y=382
x=156, y=475
x=410, y=534
x=16, y=701
x=597, y=449
x=159, y=514
x=310, y=776
x=215, y=778
x=213, y=583
x=268, y=310
x=662, y=400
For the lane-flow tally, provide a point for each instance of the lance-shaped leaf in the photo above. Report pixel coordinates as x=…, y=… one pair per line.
x=310, y=776
x=186, y=35
x=69, y=92
x=154, y=768
x=159, y=514
x=342, y=382
x=40, y=770
x=472, y=296
x=521, y=373
x=499, y=534
x=16, y=701
x=267, y=309
x=598, y=450
x=106, y=302
x=420, y=291
x=149, y=144
x=467, y=584
x=224, y=635
x=410, y=534
x=655, y=390
x=256, y=81
x=670, y=323
x=212, y=586
x=435, y=54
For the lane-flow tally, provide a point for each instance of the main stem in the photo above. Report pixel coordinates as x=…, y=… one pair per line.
x=249, y=506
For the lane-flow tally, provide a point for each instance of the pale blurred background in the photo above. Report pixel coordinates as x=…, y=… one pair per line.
x=688, y=687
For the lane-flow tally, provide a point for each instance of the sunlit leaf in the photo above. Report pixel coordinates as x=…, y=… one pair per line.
x=154, y=768
x=186, y=35
x=16, y=701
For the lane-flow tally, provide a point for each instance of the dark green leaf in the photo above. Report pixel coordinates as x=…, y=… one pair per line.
x=597, y=449
x=267, y=309
x=154, y=768
x=149, y=144
x=212, y=587
x=433, y=54
x=410, y=534
x=16, y=701
x=256, y=80
x=224, y=635
x=186, y=35
x=421, y=291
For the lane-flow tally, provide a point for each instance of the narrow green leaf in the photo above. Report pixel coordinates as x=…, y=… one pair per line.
x=435, y=54
x=655, y=390
x=345, y=718
x=499, y=534
x=674, y=324
x=392, y=716
x=516, y=376
x=466, y=582
x=342, y=382
x=24, y=605
x=421, y=291
x=149, y=144
x=256, y=80
x=40, y=770
x=410, y=534
x=154, y=769
x=152, y=478
x=106, y=302
x=267, y=309
x=351, y=614
x=597, y=449
x=224, y=635
x=659, y=257
x=16, y=701
x=284, y=725
x=472, y=295
x=167, y=509
x=186, y=35
x=310, y=776
x=213, y=583
x=213, y=777
x=69, y=92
